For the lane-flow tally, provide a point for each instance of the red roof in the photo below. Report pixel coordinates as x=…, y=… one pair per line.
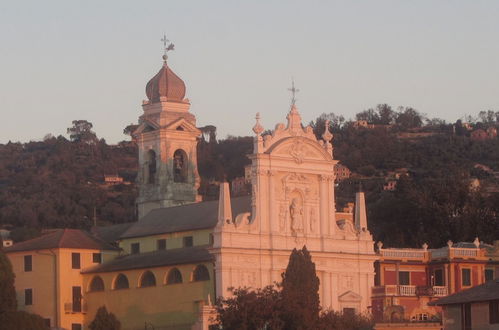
x=62, y=238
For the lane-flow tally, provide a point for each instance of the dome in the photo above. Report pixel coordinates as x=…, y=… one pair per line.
x=165, y=84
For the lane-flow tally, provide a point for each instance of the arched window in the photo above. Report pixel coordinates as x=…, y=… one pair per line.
x=201, y=274
x=174, y=277
x=97, y=284
x=147, y=279
x=179, y=166
x=151, y=163
x=121, y=282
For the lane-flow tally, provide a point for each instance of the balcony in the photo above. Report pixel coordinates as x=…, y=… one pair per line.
x=72, y=307
x=463, y=253
x=404, y=254
x=409, y=291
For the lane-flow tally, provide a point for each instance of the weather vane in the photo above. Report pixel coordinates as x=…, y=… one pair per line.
x=293, y=91
x=168, y=46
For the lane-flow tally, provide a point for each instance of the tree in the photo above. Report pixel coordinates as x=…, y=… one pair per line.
x=300, y=291
x=81, y=131
x=104, y=320
x=248, y=310
x=8, y=302
x=21, y=320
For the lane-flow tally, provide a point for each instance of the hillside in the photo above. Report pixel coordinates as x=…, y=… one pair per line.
x=61, y=183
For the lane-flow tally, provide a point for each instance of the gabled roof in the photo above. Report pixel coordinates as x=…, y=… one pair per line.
x=154, y=259
x=184, y=218
x=112, y=233
x=62, y=238
x=485, y=292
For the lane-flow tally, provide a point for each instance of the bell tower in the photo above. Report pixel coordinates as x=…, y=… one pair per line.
x=167, y=140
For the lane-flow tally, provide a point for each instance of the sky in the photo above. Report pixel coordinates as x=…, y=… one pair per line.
x=67, y=60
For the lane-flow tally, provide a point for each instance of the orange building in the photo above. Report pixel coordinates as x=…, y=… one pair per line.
x=408, y=279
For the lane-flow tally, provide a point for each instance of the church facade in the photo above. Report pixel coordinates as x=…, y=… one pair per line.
x=183, y=253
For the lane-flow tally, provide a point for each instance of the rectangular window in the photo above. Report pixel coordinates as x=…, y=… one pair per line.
x=135, y=248
x=28, y=263
x=97, y=258
x=466, y=277
x=494, y=312
x=28, y=297
x=349, y=311
x=439, y=277
x=466, y=316
x=76, y=299
x=161, y=244
x=489, y=275
x=75, y=260
x=76, y=326
x=403, y=278
x=188, y=242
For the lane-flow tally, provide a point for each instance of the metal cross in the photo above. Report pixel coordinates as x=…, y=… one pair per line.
x=168, y=46
x=293, y=91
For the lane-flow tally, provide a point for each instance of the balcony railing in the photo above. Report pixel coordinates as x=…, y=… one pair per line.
x=403, y=253
x=409, y=290
x=71, y=307
x=456, y=253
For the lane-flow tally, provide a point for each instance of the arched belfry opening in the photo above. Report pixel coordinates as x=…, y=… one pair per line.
x=180, y=163
x=151, y=166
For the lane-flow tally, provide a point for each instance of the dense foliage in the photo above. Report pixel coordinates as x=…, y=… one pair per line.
x=104, y=320
x=59, y=183
x=292, y=304
x=22, y=321
x=8, y=302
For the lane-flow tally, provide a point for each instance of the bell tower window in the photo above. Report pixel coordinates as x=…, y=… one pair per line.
x=180, y=166
x=151, y=163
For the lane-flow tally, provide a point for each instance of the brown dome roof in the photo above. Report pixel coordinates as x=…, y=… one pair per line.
x=165, y=84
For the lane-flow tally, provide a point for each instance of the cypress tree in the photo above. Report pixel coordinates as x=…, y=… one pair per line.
x=8, y=302
x=300, y=292
x=104, y=320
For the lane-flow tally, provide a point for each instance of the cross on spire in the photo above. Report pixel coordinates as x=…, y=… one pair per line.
x=167, y=46
x=293, y=91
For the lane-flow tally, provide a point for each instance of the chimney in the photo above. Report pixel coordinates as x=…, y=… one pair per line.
x=224, y=208
x=360, y=212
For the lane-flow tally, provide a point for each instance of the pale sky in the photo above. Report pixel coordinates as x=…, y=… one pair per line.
x=66, y=60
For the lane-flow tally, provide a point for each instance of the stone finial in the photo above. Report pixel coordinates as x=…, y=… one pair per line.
x=209, y=303
x=449, y=243
x=476, y=242
x=360, y=212
x=425, y=246
x=327, y=135
x=294, y=119
x=379, y=245
x=224, y=205
x=258, y=128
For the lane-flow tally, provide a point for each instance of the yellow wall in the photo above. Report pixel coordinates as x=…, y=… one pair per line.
x=43, y=277
x=173, y=240
x=174, y=305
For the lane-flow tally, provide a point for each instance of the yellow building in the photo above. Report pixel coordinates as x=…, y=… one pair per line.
x=48, y=280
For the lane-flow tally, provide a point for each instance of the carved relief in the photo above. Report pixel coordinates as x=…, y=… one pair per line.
x=297, y=152
x=283, y=212
x=313, y=220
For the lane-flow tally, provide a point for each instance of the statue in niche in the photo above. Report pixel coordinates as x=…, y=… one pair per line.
x=296, y=215
x=180, y=166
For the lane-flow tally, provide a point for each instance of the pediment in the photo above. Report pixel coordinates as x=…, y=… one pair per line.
x=350, y=296
x=300, y=149
x=145, y=126
x=182, y=125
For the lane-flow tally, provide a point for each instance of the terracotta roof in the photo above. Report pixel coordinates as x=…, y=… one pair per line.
x=62, y=238
x=154, y=259
x=112, y=233
x=184, y=218
x=165, y=84
x=485, y=292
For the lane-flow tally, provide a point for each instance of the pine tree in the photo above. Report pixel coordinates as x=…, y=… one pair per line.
x=8, y=300
x=104, y=320
x=300, y=292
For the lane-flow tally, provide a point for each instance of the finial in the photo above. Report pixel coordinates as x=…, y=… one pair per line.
x=476, y=242
x=258, y=129
x=327, y=136
x=380, y=245
x=293, y=91
x=167, y=46
x=425, y=246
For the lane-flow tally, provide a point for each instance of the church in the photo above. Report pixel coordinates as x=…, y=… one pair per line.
x=183, y=253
